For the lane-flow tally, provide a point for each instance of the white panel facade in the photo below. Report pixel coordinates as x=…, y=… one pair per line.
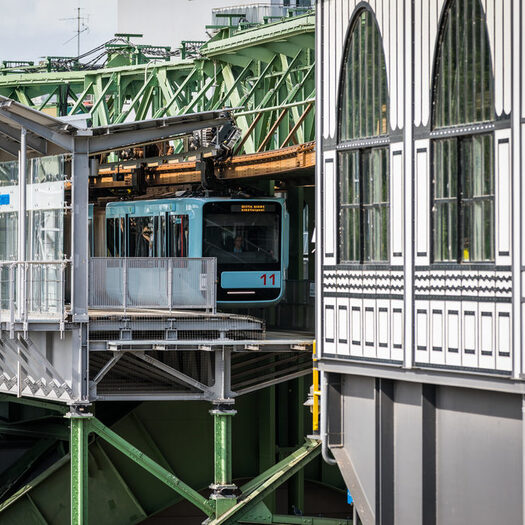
x=503, y=179
x=397, y=207
x=462, y=315
x=330, y=208
x=422, y=202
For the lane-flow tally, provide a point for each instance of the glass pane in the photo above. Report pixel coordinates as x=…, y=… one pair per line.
x=179, y=235
x=141, y=237
x=242, y=238
x=477, y=198
x=45, y=242
x=445, y=231
x=9, y=236
x=112, y=244
x=375, y=200
x=445, y=169
x=161, y=236
x=47, y=169
x=364, y=101
x=349, y=189
x=349, y=234
x=9, y=173
x=368, y=233
x=463, y=83
x=349, y=177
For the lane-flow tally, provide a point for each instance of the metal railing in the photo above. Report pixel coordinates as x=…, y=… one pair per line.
x=258, y=12
x=152, y=282
x=32, y=290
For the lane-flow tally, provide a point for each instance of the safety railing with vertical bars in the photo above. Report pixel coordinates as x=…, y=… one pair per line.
x=33, y=290
x=168, y=283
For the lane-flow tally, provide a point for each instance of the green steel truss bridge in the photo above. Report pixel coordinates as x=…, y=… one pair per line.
x=266, y=71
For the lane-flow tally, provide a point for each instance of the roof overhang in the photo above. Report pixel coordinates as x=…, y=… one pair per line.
x=47, y=135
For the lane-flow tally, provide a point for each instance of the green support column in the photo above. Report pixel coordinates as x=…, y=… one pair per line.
x=79, y=468
x=267, y=436
x=295, y=202
x=309, y=197
x=223, y=487
x=296, y=483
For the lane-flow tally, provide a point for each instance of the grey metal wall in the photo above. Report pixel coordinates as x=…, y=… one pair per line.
x=414, y=453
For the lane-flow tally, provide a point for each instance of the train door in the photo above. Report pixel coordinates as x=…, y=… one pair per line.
x=116, y=237
x=178, y=236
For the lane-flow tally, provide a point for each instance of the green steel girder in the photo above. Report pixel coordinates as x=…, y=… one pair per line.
x=48, y=405
x=80, y=99
x=220, y=510
x=79, y=470
x=121, y=492
x=260, y=487
x=223, y=446
x=151, y=466
x=261, y=515
x=268, y=66
x=24, y=464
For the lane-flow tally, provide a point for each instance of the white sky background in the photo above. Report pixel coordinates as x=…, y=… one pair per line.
x=30, y=29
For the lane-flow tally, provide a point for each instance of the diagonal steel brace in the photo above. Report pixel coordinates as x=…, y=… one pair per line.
x=256, y=490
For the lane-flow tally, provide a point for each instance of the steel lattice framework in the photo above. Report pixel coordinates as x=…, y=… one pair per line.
x=267, y=72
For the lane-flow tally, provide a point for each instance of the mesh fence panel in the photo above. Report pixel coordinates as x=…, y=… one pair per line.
x=152, y=282
x=41, y=286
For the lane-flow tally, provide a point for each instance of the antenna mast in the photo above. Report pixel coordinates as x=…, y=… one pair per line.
x=81, y=27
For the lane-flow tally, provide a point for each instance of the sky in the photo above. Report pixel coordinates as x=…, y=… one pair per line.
x=30, y=29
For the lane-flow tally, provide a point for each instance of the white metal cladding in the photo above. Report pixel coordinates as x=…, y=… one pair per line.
x=521, y=64
x=463, y=317
x=337, y=16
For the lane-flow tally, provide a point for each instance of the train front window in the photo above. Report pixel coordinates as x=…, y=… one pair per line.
x=242, y=233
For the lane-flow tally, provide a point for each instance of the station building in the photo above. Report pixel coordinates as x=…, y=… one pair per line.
x=420, y=115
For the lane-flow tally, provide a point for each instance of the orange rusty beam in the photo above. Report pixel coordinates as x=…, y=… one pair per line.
x=270, y=163
x=297, y=124
x=270, y=133
x=264, y=164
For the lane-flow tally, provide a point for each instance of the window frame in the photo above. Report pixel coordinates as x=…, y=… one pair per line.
x=460, y=133
x=364, y=247
x=363, y=145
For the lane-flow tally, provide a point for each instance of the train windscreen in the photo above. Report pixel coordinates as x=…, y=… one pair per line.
x=242, y=234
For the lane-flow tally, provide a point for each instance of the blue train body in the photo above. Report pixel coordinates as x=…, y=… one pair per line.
x=249, y=238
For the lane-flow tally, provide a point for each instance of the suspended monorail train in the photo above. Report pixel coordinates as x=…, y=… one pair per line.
x=248, y=237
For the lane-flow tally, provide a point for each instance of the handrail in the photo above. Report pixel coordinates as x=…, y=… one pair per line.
x=167, y=283
x=33, y=290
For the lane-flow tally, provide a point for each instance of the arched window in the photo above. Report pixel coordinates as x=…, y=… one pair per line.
x=463, y=111
x=363, y=168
